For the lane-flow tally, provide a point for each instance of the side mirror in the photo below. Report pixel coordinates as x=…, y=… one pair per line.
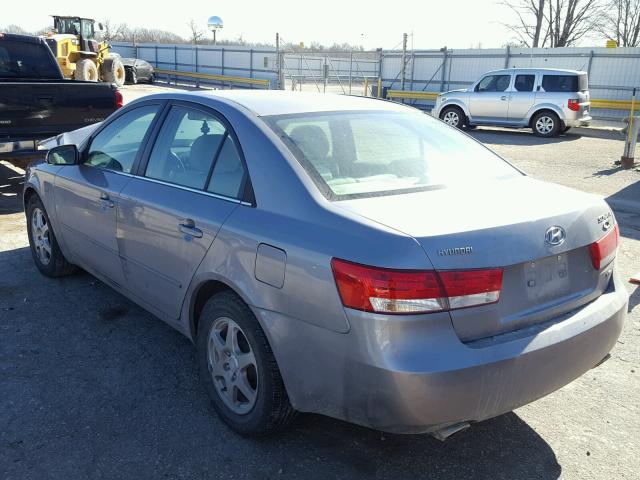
x=100, y=27
x=63, y=155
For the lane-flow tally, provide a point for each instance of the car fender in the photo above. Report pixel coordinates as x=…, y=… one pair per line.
x=458, y=103
x=545, y=106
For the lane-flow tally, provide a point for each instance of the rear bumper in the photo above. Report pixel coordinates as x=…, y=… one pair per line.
x=583, y=121
x=413, y=374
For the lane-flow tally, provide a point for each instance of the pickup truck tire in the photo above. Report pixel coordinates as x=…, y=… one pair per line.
x=44, y=247
x=113, y=71
x=86, y=70
x=243, y=363
x=453, y=116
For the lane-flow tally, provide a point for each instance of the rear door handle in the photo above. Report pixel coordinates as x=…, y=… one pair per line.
x=106, y=200
x=188, y=227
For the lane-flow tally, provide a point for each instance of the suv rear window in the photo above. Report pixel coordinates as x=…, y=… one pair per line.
x=564, y=83
x=365, y=154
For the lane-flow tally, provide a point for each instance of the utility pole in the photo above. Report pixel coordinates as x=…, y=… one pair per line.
x=280, y=85
x=404, y=61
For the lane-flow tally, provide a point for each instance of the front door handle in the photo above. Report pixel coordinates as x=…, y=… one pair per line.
x=106, y=200
x=504, y=97
x=188, y=227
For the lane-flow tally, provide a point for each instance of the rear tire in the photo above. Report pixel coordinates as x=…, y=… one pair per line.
x=546, y=124
x=86, y=71
x=566, y=129
x=453, y=116
x=45, y=250
x=113, y=71
x=244, y=363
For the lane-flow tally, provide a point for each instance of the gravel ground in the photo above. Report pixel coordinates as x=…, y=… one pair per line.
x=92, y=386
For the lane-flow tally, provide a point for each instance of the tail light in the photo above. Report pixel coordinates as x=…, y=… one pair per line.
x=119, y=99
x=574, y=104
x=604, y=250
x=381, y=290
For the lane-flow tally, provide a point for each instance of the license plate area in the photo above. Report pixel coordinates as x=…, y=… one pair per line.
x=547, y=278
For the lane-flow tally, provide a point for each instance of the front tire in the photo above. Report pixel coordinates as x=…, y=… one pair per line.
x=134, y=77
x=86, y=70
x=45, y=250
x=453, y=116
x=546, y=124
x=238, y=368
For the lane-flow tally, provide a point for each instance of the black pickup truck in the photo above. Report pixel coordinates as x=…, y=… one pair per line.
x=37, y=102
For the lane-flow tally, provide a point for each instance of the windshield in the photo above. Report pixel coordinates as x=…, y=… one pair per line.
x=360, y=154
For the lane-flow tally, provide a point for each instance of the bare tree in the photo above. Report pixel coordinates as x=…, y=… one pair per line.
x=197, y=34
x=621, y=22
x=15, y=29
x=554, y=23
x=111, y=31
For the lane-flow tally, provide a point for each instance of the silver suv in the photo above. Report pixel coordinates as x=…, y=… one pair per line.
x=548, y=101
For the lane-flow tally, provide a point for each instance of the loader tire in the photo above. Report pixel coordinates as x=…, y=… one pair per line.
x=86, y=70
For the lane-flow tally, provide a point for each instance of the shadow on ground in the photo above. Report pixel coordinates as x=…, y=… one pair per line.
x=93, y=386
x=524, y=137
x=10, y=190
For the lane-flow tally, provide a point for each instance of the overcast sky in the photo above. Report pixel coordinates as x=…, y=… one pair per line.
x=454, y=23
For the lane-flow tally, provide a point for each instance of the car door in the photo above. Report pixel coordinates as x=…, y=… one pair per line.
x=490, y=99
x=87, y=194
x=171, y=212
x=523, y=96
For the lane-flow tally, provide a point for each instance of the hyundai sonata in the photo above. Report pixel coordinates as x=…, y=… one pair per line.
x=345, y=256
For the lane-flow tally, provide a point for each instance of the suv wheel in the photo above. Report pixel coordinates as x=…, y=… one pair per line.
x=453, y=116
x=238, y=369
x=546, y=124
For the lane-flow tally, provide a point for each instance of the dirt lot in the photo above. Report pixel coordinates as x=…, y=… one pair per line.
x=92, y=386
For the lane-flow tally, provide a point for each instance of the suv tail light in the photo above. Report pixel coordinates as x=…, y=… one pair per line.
x=382, y=290
x=604, y=250
x=119, y=99
x=574, y=104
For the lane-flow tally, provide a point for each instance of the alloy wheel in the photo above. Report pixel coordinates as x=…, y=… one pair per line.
x=544, y=125
x=232, y=365
x=41, y=236
x=451, y=118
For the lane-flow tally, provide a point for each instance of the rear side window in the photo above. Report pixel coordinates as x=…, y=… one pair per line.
x=524, y=83
x=561, y=83
x=195, y=150
x=494, y=83
x=28, y=60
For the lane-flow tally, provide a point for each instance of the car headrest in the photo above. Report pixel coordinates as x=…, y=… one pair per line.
x=202, y=151
x=311, y=140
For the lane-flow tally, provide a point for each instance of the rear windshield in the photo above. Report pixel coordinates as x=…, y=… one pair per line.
x=26, y=60
x=565, y=83
x=363, y=154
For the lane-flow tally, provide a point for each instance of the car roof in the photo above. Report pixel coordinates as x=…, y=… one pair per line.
x=281, y=102
x=534, y=70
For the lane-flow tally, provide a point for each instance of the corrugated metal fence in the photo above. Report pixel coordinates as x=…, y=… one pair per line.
x=613, y=72
x=227, y=61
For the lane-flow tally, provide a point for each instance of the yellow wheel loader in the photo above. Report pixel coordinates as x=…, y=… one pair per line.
x=80, y=55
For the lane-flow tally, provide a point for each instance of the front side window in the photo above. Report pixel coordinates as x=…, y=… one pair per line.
x=362, y=154
x=524, y=83
x=494, y=83
x=195, y=150
x=116, y=147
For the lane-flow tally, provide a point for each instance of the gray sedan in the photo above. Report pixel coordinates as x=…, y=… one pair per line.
x=338, y=255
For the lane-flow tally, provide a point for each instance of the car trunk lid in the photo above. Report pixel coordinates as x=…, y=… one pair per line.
x=503, y=223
